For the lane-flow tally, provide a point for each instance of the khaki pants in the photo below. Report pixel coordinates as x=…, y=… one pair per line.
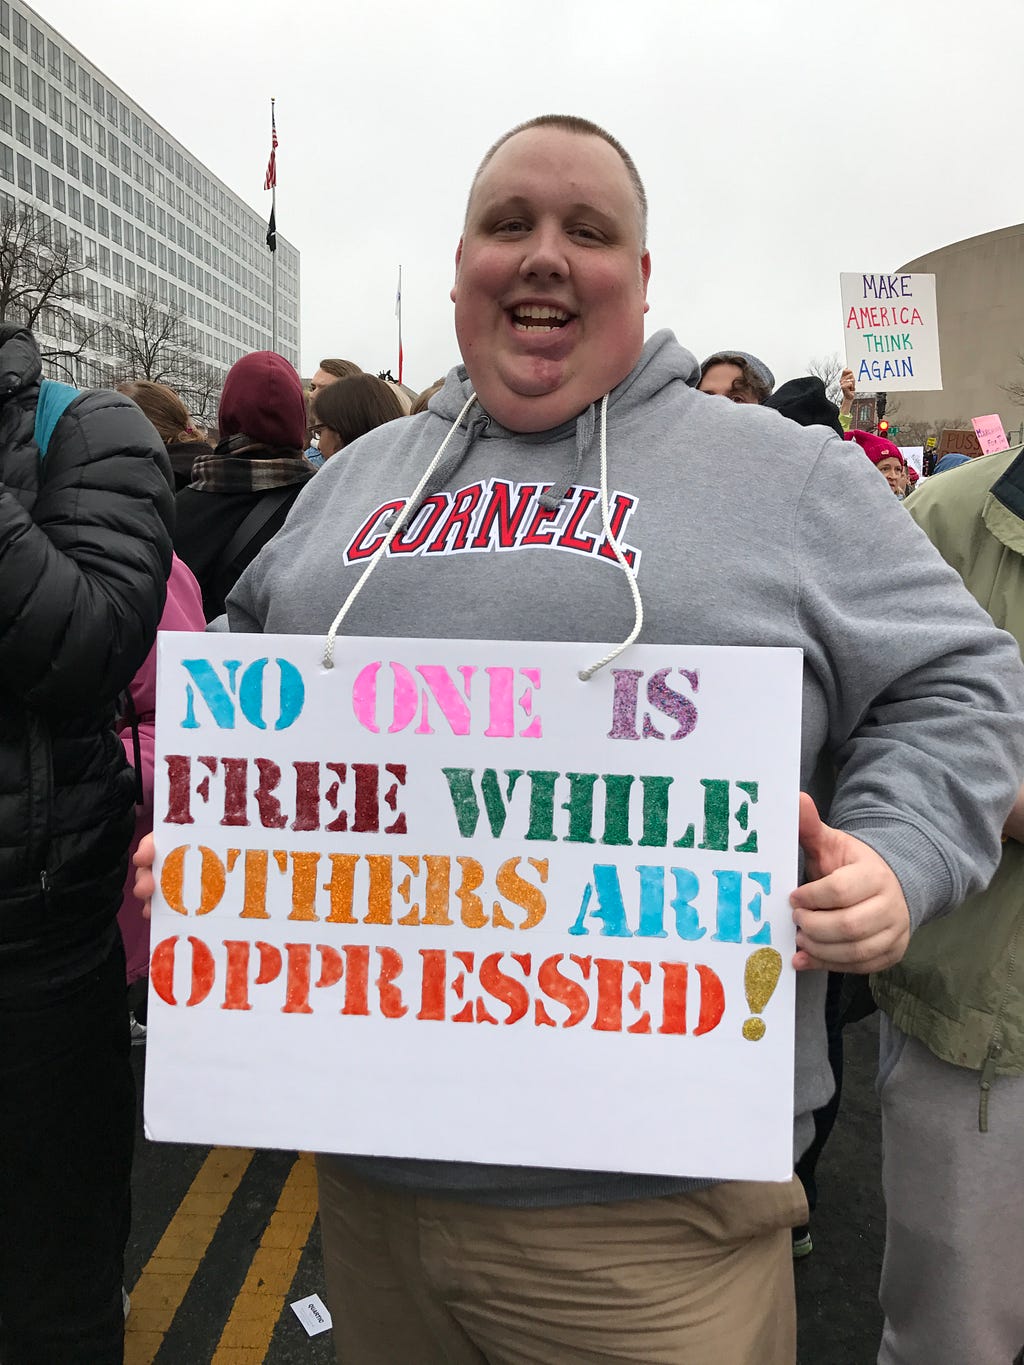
x=690, y=1279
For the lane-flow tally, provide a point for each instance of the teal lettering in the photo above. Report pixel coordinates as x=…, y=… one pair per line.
x=688, y=924
x=610, y=908
x=212, y=690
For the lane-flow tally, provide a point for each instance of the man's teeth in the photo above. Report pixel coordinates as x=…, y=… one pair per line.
x=539, y=318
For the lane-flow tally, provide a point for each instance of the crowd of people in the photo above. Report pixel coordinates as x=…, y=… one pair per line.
x=127, y=515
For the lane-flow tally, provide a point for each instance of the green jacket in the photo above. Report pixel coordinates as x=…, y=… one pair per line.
x=960, y=987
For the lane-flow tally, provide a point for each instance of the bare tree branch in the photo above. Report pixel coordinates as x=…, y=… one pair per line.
x=1015, y=389
x=828, y=368
x=151, y=341
x=43, y=287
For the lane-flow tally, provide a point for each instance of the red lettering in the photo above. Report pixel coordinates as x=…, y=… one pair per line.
x=307, y=795
x=434, y=508
x=236, y=981
x=458, y=519
x=533, y=534
x=563, y=990
x=390, y=995
x=712, y=1001
x=569, y=540
x=271, y=814
x=433, y=983
x=161, y=971
x=504, y=988
x=673, y=998
x=622, y=509
x=360, y=547
x=498, y=508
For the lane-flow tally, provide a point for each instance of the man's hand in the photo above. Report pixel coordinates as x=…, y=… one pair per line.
x=1014, y=827
x=850, y=915
x=145, y=883
x=848, y=385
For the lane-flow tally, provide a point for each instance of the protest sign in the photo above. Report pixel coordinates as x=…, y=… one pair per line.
x=990, y=433
x=891, y=328
x=956, y=442
x=914, y=456
x=447, y=900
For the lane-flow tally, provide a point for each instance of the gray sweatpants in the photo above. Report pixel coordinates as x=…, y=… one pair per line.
x=953, y=1276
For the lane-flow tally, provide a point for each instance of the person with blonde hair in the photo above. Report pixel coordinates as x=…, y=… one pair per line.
x=184, y=438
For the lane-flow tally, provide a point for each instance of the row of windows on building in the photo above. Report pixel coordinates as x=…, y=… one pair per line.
x=46, y=53
x=67, y=156
x=62, y=195
x=229, y=337
x=51, y=189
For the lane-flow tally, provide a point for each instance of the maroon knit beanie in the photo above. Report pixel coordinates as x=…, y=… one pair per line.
x=876, y=448
x=263, y=398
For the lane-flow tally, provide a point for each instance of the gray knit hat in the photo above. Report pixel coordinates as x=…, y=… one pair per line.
x=759, y=368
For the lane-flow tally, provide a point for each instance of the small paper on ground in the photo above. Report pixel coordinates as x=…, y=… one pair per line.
x=313, y=1314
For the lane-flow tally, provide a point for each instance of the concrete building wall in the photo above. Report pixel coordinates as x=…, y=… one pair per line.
x=979, y=287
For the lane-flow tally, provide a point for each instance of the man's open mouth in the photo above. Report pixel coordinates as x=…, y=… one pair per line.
x=539, y=318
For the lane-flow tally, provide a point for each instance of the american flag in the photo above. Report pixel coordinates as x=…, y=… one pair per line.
x=271, y=179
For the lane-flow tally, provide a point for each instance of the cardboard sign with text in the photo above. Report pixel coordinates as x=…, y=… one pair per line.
x=447, y=900
x=956, y=442
x=891, y=328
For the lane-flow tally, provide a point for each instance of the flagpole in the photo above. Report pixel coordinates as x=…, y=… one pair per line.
x=398, y=313
x=273, y=254
x=273, y=275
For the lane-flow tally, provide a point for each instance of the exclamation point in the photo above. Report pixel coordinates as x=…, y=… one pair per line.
x=760, y=977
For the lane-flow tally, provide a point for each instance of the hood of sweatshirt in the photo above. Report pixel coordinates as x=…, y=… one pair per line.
x=663, y=362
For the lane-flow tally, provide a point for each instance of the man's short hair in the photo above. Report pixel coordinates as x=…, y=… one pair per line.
x=582, y=127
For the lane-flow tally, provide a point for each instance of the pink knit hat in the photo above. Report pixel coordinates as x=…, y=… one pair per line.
x=876, y=448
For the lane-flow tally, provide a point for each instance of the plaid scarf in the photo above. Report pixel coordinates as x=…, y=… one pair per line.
x=240, y=465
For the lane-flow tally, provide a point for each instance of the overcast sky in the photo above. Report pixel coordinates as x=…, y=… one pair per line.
x=781, y=141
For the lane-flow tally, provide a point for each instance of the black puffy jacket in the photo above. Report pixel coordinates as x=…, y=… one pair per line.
x=85, y=550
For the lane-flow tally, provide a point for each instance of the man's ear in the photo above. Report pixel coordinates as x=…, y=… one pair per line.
x=645, y=275
x=458, y=258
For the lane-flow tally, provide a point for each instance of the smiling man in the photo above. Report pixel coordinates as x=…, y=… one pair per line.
x=551, y=290
x=560, y=399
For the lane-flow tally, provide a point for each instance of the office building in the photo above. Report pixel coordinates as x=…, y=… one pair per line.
x=143, y=213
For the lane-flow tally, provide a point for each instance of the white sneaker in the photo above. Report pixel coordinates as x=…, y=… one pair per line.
x=138, y=1031
x=126, y=1302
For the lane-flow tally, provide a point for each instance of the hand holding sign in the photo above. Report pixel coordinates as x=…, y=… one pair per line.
x=851, y=915
x=145, y=883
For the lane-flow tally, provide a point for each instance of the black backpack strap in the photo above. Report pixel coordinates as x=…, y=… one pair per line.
x=254, y=523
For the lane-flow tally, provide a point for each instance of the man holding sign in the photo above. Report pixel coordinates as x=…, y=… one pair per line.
x=462, y=1260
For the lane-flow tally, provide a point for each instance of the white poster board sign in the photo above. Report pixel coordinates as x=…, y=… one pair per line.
x=914, y=456
x=447, y=900
x=891, y=327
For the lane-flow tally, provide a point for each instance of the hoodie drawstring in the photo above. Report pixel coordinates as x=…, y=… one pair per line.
x=585, y=674
x=396, y=526
x=584, y=436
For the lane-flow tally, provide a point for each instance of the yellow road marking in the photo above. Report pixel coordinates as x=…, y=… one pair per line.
x=247, y=1332
x=169, y=1271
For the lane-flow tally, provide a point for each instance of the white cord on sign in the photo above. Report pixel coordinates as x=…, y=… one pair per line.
x=585, y=674
x=396, y=526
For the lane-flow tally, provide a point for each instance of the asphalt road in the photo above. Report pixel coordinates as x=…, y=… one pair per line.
x=222, y=1242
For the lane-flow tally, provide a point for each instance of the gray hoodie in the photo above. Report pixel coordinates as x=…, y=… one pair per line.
x=743, y=529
